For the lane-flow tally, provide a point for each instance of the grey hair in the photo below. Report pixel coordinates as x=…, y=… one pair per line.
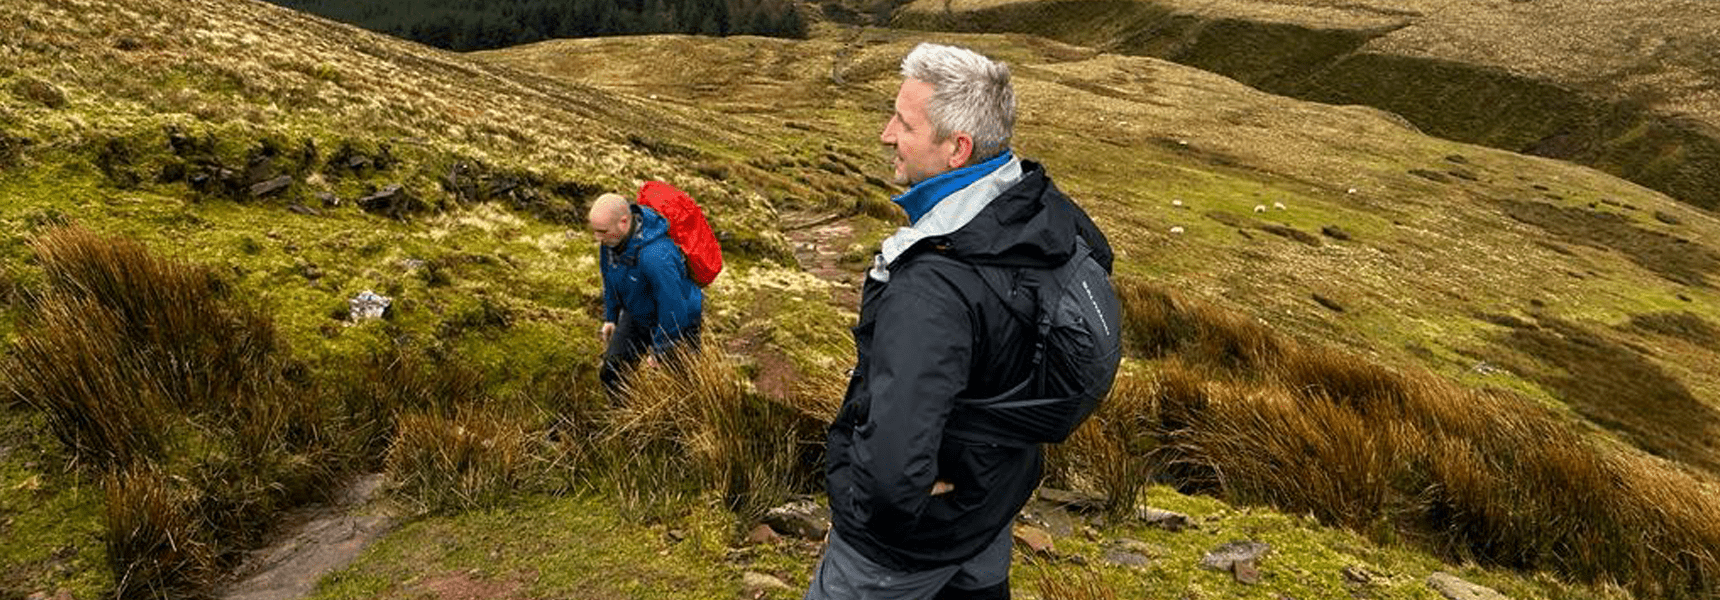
x=971, y=93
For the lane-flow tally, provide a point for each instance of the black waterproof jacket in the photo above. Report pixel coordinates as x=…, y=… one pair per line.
x=934, y=332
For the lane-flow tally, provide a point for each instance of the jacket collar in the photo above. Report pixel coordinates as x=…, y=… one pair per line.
x=950, y=201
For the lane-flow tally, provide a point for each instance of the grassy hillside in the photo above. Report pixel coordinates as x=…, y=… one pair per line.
x=161, y=130
x=1439, y=254
x=1633, y=97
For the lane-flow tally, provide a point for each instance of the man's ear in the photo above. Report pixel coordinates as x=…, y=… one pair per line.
x=963, y=149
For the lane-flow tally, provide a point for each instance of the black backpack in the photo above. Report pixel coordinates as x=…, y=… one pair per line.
x=1078, y=345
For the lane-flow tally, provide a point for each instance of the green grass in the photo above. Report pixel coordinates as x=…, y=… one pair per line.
x=544, y=547
x=579, y=546
x=49, y=518
x=1306, y=560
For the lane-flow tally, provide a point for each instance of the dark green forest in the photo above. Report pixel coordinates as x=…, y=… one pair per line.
x=484, y=24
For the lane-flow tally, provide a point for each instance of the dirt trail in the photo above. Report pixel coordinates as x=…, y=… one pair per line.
x=820, y=247
x=326, y=538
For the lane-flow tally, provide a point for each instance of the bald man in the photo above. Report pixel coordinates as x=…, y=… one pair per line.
x=649, y=304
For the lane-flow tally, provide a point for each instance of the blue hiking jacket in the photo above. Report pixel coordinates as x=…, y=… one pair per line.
x=646, y=276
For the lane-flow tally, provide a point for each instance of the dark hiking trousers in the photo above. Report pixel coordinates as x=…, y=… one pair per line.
x=628, y=345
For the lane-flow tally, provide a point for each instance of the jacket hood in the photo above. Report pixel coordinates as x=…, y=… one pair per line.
x=1031, y=224
x=1013, y=217
x=651, y=227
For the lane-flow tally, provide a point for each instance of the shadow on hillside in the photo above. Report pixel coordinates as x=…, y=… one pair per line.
x=1614, y=384
x=1674, y=258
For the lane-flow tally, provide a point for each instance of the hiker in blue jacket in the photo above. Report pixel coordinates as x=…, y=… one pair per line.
x=921, y=506
x=650, y=305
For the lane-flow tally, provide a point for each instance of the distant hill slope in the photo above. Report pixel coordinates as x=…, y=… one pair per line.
x=1631, y=88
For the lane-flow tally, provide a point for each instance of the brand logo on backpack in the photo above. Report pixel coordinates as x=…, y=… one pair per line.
x=1076, y=356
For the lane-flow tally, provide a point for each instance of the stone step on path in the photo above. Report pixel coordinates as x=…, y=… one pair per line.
x=329, y=537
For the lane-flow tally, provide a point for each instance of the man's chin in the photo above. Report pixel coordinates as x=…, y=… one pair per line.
x=901, y=178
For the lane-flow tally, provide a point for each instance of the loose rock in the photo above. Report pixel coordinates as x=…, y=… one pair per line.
x=1454, y=588
x=1081, y=502
x=803, y=518
x=1131, y=553
x=367, y=305
x=1035, y=540
x=757, y=585
x=392, y=201
x=1163, y=519
x=1225, y=557
x=271, y=187
x=1245, y=572
x=763, y=534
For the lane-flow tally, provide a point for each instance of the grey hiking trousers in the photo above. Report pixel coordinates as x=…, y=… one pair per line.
x=843, y=574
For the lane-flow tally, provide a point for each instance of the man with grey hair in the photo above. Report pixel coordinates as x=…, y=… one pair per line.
x=921, y=497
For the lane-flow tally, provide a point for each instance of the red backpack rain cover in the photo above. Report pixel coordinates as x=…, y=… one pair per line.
x=687, y=227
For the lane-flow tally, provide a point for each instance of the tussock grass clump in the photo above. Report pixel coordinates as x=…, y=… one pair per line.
x=153, y=543
x=473, y=459
x=78, y=370
x=1113, y=452
x=180, y=396
x=1478, y=475
x=399, y=380
x=1072, y=584
x=1156, y=324
x=124, y=341
x=693, y=424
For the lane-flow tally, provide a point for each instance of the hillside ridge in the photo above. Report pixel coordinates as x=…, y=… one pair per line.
x=1636, y=99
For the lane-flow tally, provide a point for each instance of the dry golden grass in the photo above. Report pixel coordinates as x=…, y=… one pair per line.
x=154, y=544
x=1113, y=452
x=695, y=424
x=1477, y=475
x=1072, y=584
x=398, y=380
x=473, y=459
x=79, y=372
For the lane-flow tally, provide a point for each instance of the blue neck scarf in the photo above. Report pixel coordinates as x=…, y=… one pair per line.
x=925, y=195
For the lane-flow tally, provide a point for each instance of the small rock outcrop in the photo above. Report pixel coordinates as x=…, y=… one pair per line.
x=1076, y=502
x=1455, y=588
x=803, y=518
x=1034, y=540
x=1163, y=519
x=393, y=202
x=1224, y=557
x=1240, y=558
x=271, y=187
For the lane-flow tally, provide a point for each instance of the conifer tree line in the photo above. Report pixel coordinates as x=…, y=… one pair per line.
x=464, y=25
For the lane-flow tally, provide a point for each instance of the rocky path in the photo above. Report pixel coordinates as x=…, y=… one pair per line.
x=325, y=538
x=819, y=246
